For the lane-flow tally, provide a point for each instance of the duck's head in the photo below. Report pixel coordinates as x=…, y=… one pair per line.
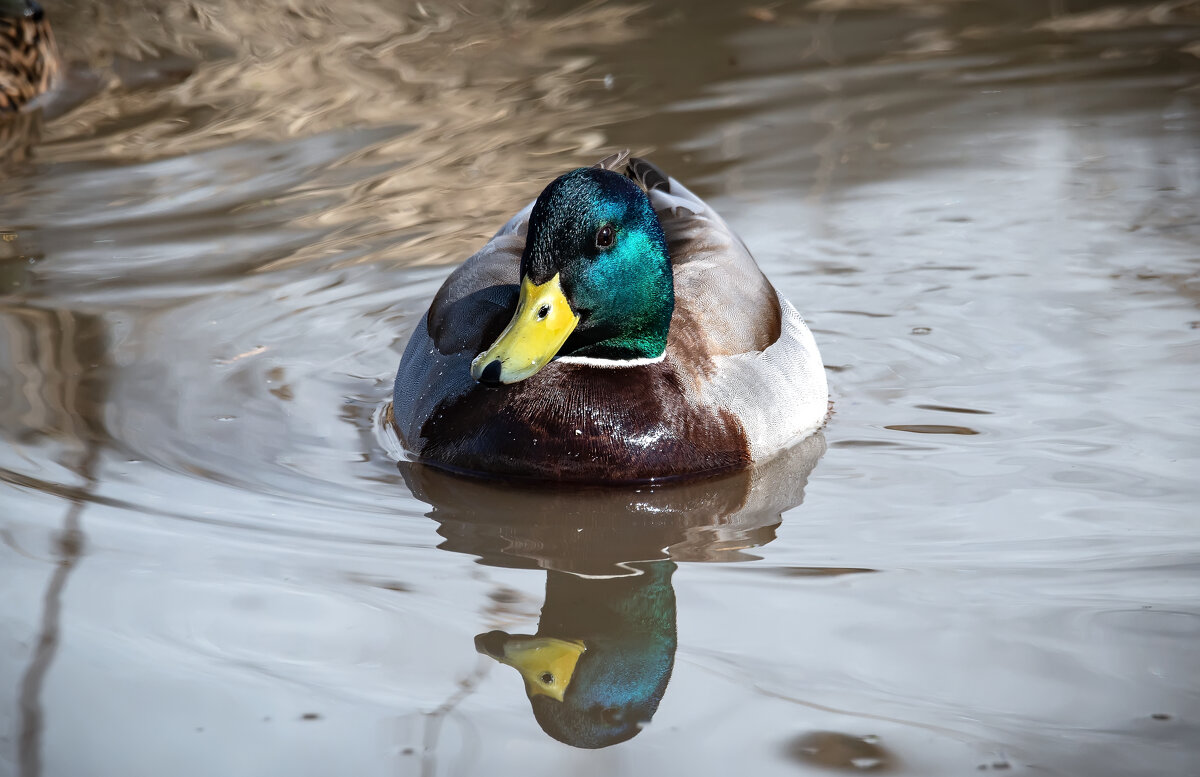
x=589, y=696
x=596, y=280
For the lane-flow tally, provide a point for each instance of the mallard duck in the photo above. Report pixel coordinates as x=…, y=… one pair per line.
x=597, y=668
x=615, y=330
x=28, y=60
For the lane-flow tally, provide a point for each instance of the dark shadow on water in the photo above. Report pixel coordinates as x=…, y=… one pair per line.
x=600, y=662
x=841, y=752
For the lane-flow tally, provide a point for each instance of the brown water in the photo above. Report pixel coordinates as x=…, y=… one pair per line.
x=218, y=238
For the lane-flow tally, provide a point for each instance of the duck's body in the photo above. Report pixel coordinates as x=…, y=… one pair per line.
x=739, y=377
x=28, y=59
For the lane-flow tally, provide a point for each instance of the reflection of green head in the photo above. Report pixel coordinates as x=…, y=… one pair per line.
x=602, y=657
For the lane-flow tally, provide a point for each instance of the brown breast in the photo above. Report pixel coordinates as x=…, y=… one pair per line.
x=585, y=424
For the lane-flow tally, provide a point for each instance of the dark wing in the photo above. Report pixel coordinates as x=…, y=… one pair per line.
x=477, y=300
x=467, y=314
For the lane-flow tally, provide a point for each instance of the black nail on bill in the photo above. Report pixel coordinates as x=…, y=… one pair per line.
x=491, y=374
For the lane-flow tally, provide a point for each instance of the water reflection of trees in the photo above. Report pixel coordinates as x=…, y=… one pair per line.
x=465, y=89
x=874, y=90
x=54, y=397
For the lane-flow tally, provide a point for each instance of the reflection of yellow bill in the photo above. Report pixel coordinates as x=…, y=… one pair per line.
x=543, y=322
x=545, y=663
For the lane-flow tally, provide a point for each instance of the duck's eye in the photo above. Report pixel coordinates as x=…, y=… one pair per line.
x=546, y=678
x=604, y=238
x=543, y=311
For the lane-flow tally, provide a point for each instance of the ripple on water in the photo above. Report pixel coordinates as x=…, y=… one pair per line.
x=931, y=429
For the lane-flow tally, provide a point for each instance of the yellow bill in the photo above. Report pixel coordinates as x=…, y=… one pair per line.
x=543, y=322
x=545, y=663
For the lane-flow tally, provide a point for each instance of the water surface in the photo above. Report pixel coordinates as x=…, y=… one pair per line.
x=216, y=245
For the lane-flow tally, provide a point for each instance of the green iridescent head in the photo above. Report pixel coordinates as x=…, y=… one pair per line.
x=596, y=280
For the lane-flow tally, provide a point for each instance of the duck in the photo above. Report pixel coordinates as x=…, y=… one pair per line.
x=615, y=330
x=28, y=57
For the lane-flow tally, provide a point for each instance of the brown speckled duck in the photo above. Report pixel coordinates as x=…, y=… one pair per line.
x=28, y=59
x=615, y=330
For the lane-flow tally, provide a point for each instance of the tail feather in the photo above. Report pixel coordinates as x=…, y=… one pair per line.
x=613, y=161
x=647, y=175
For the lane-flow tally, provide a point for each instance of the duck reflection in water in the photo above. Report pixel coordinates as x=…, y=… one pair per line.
x=602, y=656
x=597, y=668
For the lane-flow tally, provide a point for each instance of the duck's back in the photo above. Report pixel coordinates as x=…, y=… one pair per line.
x=759, y=358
